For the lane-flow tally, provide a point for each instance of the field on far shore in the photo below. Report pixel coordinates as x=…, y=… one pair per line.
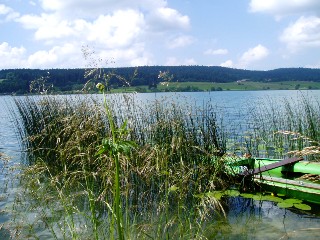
x=233, y=86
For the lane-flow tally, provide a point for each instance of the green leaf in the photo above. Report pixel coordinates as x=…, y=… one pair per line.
x=247, y=195
x=285, y=204
x=302, y=206
x=257, y=197
x=272, y=199
x=216, y=194
x=293, y=200
x=232, y=193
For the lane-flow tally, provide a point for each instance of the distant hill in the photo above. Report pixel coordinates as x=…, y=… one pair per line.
x=18, y=80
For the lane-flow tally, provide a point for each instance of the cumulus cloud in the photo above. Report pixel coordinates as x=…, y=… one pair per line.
x=8, y=13
x=305, y=32
x=216, y=51
x=47, y=26
x=252, y=55
x=11, y=56
x=164, y=19
x=119, y=29
x=227, y=63
x=285, y=7
x=93, y=8
x=4, y=9
x=58, y=56
x=180, y=41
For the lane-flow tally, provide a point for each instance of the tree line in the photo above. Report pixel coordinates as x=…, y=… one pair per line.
x=18, y=81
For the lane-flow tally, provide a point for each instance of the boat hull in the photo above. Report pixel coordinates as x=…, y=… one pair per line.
x=289, y=179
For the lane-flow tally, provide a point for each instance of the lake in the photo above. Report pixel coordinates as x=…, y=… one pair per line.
x=247, y=219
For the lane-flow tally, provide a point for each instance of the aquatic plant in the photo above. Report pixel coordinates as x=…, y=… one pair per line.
x=178, y=155
x=286, y=129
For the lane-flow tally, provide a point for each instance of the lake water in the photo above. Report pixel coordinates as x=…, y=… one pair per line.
x=247, y=219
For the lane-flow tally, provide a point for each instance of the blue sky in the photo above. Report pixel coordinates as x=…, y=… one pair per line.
x=246, y=34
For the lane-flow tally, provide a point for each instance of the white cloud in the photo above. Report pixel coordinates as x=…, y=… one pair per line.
x=8, y=12
x=11, y=57
x=47, y=26
x=180, y=41
x=252, y=55
x=4, y=9
x=118, y=29
x=305, y=32
x=285, y=7
x=164, y=19
x=57, y=56
x=121, y=29
x=93, y=8
x=216, y=51
x=227, y=63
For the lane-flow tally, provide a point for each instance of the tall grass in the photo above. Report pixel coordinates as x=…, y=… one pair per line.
x=147, y=192
x=287, y=127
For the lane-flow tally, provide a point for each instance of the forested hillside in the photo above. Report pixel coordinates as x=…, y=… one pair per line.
x=18, y=81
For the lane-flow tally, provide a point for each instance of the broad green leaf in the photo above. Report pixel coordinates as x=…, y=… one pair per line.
x=272, y=198
x=216, y=194
x=232, y=193
x=247, y=195
x=257, y=197
x=293, y=200
x=302, y=206
x=285, y=205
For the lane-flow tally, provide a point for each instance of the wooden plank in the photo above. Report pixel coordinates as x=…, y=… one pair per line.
x=268, y=167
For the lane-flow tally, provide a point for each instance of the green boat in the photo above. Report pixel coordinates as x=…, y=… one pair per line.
x=294, y=177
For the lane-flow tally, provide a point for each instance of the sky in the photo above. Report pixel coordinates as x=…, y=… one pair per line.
x=244, y=34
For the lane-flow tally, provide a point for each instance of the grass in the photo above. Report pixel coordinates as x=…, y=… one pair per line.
x=233, y=86
x=288, y=129
x=81, y=161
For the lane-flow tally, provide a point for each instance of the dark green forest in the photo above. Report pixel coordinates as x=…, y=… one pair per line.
x=18, y=81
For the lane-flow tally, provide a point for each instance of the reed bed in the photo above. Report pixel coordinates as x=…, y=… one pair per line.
x=82, y=181
x=132, y=170
x=289, y=128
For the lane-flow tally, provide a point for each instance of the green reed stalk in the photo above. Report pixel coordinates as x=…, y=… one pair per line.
x=115, y=147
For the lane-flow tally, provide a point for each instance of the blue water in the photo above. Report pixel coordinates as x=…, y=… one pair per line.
x=255, y=220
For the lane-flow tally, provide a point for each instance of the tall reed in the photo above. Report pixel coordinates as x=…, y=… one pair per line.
x=118, y=193
x=288, y=126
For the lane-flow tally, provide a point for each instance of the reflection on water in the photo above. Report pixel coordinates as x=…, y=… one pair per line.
x=246, y=218
x=250, y=219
